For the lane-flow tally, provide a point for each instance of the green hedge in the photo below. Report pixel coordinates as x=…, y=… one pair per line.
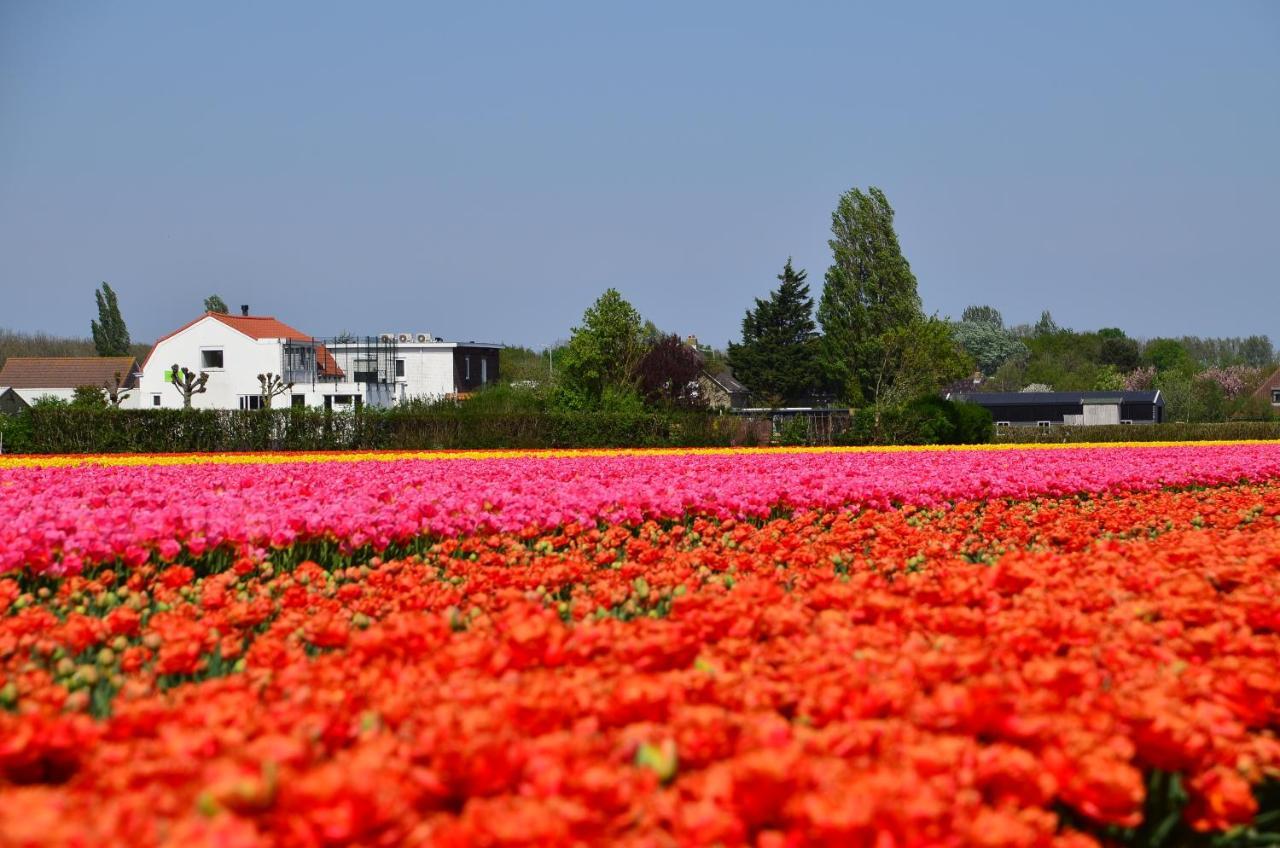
x=70, y=430
x=1226, y=431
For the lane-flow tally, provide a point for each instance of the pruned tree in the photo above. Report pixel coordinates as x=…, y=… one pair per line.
x=273, y=385
x=116, y=392
x=188, y=383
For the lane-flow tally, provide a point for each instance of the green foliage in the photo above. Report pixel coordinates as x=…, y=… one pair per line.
x=778, y=357
x=518, y=364
x=1173, y=432
x=1168, y=355
x=603, y=352
x=59, y=428
x=927, y=420
x=913, y=359
x=1108, y=379
x=1124, y=354
x=110, y=335
x=983, y=315
x=974, y=424
x=794, y=431
x=988, y=343
x=214, y=303
x=869, y=291
x=89, y=397
x=1046, y=326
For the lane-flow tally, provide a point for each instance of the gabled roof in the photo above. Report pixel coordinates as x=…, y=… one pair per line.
x=1268, y=385
x=65, y=372
x=726, y=381
x=260, y=327
x=1038, y=398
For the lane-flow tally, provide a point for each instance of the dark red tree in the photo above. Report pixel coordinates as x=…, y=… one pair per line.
x=668, y=373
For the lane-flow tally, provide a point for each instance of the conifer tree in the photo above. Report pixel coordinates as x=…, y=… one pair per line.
x=778, y=357
x=110, y=335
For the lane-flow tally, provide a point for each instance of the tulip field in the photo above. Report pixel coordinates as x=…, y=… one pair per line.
x=991, y=646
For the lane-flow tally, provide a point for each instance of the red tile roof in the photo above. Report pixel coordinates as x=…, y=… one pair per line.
x=65, y=372
x=263, y=327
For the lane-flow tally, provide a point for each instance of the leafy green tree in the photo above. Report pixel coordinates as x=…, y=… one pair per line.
x=869, y=291
x=982, y=315
x=1108, y=379
x=1046, y=326
x=88, y=397
x=990, y=345
x=916, y=359
x=1168, y=355
x=110, y=335
x=778, y=357
x=213, y=303
x=603, y=352
x=1122, y=353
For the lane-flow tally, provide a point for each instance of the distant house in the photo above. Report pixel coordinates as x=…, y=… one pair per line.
x=1269, y=390
x=343, y=373
x=26, y=379
x=1045, y=409
x=722, y=391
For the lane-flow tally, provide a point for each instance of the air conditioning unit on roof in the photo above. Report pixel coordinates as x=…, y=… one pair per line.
x=424, y=337
x=404, y=337
x=385, y=337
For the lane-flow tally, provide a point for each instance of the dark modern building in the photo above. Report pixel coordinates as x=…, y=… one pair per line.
x=1045, y=409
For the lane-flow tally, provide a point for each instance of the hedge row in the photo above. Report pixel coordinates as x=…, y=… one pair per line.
x=70, y=430
x=1227, y=431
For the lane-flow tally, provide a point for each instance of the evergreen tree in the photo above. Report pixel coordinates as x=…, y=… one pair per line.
x=869, y=292
x=983, y=315
x=214, y=303
x=110, y=335
x=778, y=357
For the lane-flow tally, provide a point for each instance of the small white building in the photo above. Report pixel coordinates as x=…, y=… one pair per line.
x=339, y=374
x=427, y=368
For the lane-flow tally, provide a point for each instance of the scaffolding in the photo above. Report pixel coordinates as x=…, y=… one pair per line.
x=344, y=359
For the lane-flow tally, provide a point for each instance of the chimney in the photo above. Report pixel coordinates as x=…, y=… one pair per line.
x=244, y=309
x=691, y=341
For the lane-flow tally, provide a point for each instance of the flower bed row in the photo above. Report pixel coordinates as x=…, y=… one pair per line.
x=999, y=671
x=58, y=520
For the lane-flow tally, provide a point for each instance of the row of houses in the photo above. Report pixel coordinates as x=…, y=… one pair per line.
x=234, y=350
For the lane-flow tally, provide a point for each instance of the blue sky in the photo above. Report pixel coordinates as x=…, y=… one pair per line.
x=485, y=170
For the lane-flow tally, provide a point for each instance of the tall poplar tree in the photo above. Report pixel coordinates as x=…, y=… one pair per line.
x=778, y=357
x=869, y=292
x=110, y=335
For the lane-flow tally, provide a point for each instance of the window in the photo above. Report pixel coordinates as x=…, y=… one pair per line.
x=484, y=370
x=1043, y=423
x=251, y=401
x=342, y=400
x=399, y=367
x=467, y=361
x=298, y=401
x=211, y=359
x=155, y=400
x=1275, y=396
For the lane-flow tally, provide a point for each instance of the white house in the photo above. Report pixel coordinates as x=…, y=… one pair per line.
x=330, y=374
x=428, y=368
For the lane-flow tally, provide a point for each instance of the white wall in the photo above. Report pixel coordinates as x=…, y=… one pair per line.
x=243, y=359
x=428, y=371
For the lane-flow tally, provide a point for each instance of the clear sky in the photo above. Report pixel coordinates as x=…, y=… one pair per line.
x=484, y=170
